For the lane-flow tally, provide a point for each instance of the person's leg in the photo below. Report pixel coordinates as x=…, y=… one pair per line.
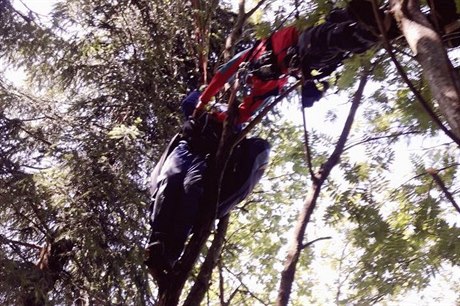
x=194, y=188
x=164, y=241
x=324, y=47
x=349, y=37
x=244, y=171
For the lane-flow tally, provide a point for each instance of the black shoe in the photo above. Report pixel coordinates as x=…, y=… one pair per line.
x=157, y=263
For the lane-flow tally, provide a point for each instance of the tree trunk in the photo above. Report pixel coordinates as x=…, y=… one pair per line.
x=42, y=276
x=296, y=244
x=202, y=282
x=431, y=54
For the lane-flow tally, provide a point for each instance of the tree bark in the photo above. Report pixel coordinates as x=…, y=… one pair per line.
x=432, y=56
x=202, y=282
x=42, y=276
x=203, y=11
x=296, y=244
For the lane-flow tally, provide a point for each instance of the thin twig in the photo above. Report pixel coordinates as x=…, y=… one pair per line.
x=442, y=186
x=420, y=175
x=369, y=139
x=16, y=242
x=245, y=286
x=307, y=146
x=306, y=245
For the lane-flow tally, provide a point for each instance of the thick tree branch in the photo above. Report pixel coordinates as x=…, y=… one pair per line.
x=431, y=54
x=403, y=74
x=296, y=243
x=201, y=284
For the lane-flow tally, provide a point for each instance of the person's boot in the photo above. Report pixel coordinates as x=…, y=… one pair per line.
x=157, y=263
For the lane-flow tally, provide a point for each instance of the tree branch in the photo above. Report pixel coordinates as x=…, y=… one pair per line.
x=431, y=54
x=306, y=144
x=221, y=283
x=369, y=139
x=419, y=175
x=3, y=239
x=434, y=174
x=306, y=245
x=254, y=9
x=403, y=74
x=198, y=290
x=296, y=243
x=245, y=286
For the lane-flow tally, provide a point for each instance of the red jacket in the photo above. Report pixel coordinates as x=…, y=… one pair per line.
x=280, y=42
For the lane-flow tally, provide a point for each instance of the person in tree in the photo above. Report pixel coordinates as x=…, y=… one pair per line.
x=179, y=181
x=320, y=48
x=288, y=52
x=180, y=178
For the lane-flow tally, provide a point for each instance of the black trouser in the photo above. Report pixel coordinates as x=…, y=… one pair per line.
x=182, y=181
x=323, y=47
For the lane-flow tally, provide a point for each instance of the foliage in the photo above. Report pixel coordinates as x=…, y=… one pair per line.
x=101, y=99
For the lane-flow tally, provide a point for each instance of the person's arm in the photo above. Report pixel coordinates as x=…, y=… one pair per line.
x=224, y=73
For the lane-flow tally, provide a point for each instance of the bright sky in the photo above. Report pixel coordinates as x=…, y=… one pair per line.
x=38, y=6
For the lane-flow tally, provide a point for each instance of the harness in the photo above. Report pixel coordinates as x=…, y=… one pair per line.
x=266, y=67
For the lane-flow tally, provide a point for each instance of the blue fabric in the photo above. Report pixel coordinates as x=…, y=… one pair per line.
x=188, y=103
x=247, y=165
x=181, y=186
x=310, y=93
x=179, y=191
